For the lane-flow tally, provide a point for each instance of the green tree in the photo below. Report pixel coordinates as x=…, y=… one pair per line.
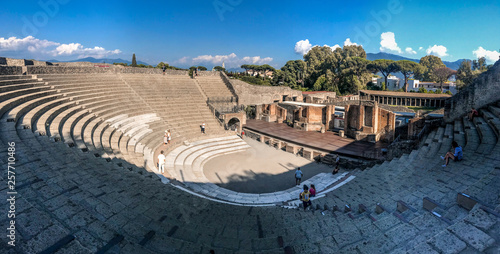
x=422, y=90
x=430, y=63
x=202, y=68
x=443, y=74
x=465, y=76
x=407, y=68
x=291, y=74
x=134, y=61
x=219, y=68
x=384, y=66
x=479, y=64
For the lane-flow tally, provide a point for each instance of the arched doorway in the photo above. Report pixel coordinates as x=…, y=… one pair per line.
x=234, y=124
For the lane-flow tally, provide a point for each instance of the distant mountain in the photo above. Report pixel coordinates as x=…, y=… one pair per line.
x=382, y=55
x=95, y=60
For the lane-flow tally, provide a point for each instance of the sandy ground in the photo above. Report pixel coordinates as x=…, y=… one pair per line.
x=260, y=169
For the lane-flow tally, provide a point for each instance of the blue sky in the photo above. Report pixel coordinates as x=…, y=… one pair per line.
x=185, y=33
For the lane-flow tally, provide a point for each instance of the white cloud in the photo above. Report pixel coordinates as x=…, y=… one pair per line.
x=218, y=59
x=348, y=42
x=302, y=47
x=231, y=60
x=491, y=56
x=421, y=48
x=183, y=60
x=388, y=43
x=336, y=46
x=257, y=60
x=78, y=49
x=410, y=51
x=437, y=50
x=29, y=43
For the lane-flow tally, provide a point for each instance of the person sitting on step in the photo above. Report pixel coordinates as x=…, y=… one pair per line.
x=473, y=113
x=457, y=156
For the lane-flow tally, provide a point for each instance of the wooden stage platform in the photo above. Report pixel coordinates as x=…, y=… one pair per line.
x=328, y=142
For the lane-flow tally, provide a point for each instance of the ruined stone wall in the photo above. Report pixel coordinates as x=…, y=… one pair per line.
x=314, y=114
x=66, y=70
x=110, y=69
x=483, y=91
x=255, y=95
x=386, y=124
x=11, y=70
x=3, y=61
x=208, y=73
x=15, y=62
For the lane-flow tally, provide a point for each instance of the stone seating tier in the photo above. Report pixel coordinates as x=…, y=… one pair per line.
x=72, y=202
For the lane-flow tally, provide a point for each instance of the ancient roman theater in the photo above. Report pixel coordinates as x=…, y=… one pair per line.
x=83, y=141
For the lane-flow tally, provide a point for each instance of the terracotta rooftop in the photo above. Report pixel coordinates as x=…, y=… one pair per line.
x=403, y=94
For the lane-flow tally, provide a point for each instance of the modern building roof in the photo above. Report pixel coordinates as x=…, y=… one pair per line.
x=407, y=95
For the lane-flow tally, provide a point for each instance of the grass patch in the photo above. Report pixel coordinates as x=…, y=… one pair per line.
x=422, y=108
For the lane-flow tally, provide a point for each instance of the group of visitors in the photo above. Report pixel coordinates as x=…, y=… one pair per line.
x=307, y=193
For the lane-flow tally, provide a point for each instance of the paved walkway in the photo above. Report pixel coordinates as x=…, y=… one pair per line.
x=328, y=142
x=260, y=169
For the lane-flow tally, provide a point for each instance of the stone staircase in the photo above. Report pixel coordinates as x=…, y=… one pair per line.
x=213, y=86
x=82, y=188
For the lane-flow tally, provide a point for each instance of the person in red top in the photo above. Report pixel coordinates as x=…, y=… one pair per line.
x=312, y=190
x=473, y=113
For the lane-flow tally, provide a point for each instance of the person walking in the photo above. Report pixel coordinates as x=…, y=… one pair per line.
x=203, y=128
x=164, y=68
x=298, y=176
x=305, y=197
x=169, y=136
x=457, y=156
x=161, y=162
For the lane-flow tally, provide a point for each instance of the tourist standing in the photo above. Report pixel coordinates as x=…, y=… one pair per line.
x=161, y=162
x=457, y=156
x=305, y=197
x=164, y=68
x=165, y=137
x=298, y=176
x=203, y=128
x=169, y=136
x=312, y=190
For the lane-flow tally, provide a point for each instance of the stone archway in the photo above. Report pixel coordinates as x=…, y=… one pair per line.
x=234, y=124
x=235, y=121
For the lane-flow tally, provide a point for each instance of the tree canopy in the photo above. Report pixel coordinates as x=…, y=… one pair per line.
x=219, y=68
x=430, y=63
x=134, y=61
x=408, y=69
x=443, y=74
x=384, y=66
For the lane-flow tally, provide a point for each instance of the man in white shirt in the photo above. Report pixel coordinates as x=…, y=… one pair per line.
x=161, y=162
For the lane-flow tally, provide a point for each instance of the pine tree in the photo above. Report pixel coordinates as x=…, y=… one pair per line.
x=134, y=62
